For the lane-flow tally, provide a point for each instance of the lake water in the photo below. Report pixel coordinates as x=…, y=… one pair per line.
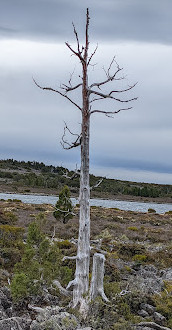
x=122, y=205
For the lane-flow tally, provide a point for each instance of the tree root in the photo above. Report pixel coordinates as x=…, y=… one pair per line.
x=61, y=289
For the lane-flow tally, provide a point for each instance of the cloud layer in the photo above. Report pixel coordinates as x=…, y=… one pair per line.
x=148, y=21
x=135, y=144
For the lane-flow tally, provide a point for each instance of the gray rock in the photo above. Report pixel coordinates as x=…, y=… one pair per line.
x=148, y=308
x=160, y=319
x=53, y=318
x=4, y=298
x=5, y=303
x=143, y=313
x=3, y=315
x=149, y=326
x=147, y=280
x=167, y=274
x=4, y=275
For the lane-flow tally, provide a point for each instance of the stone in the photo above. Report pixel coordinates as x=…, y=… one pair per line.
x=160, y=319
x=147, y=280
x=4, y=275
x=168, y=274
x=53, y=318
x=148, y=308
x=143, y=313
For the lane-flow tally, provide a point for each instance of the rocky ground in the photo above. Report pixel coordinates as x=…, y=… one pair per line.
x=138, y=271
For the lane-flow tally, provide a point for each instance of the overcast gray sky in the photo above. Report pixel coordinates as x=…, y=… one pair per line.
x=136, y=144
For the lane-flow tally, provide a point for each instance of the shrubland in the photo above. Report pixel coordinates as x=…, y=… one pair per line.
x=137, y=248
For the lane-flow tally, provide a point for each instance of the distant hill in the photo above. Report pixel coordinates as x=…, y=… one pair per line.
x=33, y=176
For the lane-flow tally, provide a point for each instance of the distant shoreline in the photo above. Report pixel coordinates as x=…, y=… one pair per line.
x=50, y=192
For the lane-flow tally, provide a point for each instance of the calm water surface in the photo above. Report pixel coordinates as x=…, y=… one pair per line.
x=122, y=205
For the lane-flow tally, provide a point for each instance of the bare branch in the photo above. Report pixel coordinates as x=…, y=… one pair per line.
x=65, y=144
x=76, y=173
x=62, y=290
x=70, y=88
x=71, y=75
x=124, y=90
x=124, y=292
x=69, y=258
x=86, y=37
x=113, y=60
x=109, y=113
x=71, y=283
x=74, y=52
x=92, y=55
x=109, y=96
x=77, y=39
x=36, y=308
x=66, y=213
x=57, y=91
x=110, y=77
x=97, y=184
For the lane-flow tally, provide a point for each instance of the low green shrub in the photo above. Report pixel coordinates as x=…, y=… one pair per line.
x=133, y=228
x=8, y=217
x=139, y=258
x=130, y=250
x=20, y=286
x=64, y=244
x=150, y=210
x=163, y=302
x=111, y=288
x=40, y=264
x=10, y=236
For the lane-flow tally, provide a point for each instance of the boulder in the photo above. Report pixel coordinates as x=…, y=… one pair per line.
x=5, y=303
x=143, y=313
x=148, y=308
x=160, y=319
x=53, y=318
x=147, y=280
x=167, y=274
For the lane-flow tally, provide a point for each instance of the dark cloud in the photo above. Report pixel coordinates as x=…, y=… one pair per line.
x=148, y=20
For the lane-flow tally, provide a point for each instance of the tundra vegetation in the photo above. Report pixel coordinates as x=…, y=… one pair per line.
x=138, y=269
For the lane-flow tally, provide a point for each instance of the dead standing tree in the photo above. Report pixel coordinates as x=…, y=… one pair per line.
x=90, y=93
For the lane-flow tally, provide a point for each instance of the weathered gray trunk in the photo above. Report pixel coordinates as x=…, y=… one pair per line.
x=96, y=288
x=83, y=252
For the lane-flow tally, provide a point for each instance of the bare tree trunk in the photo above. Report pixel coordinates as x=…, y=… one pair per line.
x=83, y=253
x=96, y=288
x=90, y=94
